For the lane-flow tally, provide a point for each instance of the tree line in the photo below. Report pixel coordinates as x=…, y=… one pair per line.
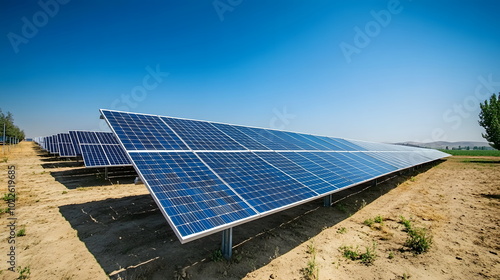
x=11, y=130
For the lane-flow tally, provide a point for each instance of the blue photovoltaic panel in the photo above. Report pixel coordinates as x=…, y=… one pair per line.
x=293, y=169
x=240, y=137
x=143, y=132
x=87, y=137
x=116, y=155
x=101, y=149
x=65, y=145
x=266, y=138
x=106, y=138
x=260, y=184
x=192, y=197
x=53, y=149
x=325, y=170
x=208, y=176
x=93, y=155
x=201, y=135
x=74, y=140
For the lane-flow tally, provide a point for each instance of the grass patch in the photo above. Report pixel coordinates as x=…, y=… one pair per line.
x=391, y=255
x=311, y=271
x=478, y=153
x=342, y=230
x=64, y=192
x=21, y=232
x=419, y=240
x=5, y=159
x=24, y=273
x=368, y=222
x=354, y=254
x=406, y=223
x=341, y=207
x=9, y=196
x=217, y=255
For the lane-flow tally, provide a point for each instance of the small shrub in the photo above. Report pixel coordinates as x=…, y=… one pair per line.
x=217, y=255
x=24, y=273
x=311, y=270
x=342, y=230
x=21, y=232
x=379, y=219
x=341, y=207
x=391, y=255
x=368, y=222
x=350, y=253
x=413, y=179
x=369, y=256
x=419, y=241
x=64, y=192
x=9, y=196
x=406, y=223
x=5, y=159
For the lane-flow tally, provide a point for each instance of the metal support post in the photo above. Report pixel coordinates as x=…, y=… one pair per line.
x=327, y=200
x=227, y=243
x=106, y=173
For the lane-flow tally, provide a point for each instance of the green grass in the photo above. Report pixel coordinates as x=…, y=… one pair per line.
x=217, y=255
x=342, y=230
x=485, y=153
x=406, y=223
x=311, y=271
x=367, y=258
x=21, y=232
x=419, y=240
x=24, y=273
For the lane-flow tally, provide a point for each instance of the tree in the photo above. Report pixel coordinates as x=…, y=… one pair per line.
x=489, y=118
x=11, y=130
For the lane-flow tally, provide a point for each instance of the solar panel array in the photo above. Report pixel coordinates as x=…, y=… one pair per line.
x=100, y=149
x=207, y=177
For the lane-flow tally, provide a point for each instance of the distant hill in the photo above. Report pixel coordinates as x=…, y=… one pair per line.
x=450, y=145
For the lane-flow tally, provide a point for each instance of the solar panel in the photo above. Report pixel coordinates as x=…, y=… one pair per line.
x=66, y=148
x=74, y=139
x=207, y=176
x=100, y=149
x=192, y=198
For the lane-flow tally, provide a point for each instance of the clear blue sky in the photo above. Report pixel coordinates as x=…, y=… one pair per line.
x=370, y=70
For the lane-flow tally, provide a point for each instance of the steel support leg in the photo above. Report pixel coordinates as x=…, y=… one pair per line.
x=227, y=243
x=327, y=201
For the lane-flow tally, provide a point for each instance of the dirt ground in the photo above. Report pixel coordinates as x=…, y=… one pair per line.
x=80, y=226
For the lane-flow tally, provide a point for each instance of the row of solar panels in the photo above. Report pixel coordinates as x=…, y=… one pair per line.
x=207, y=176
x=97, y=148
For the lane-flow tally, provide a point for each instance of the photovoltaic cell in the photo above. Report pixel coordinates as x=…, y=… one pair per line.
x=208, y=176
